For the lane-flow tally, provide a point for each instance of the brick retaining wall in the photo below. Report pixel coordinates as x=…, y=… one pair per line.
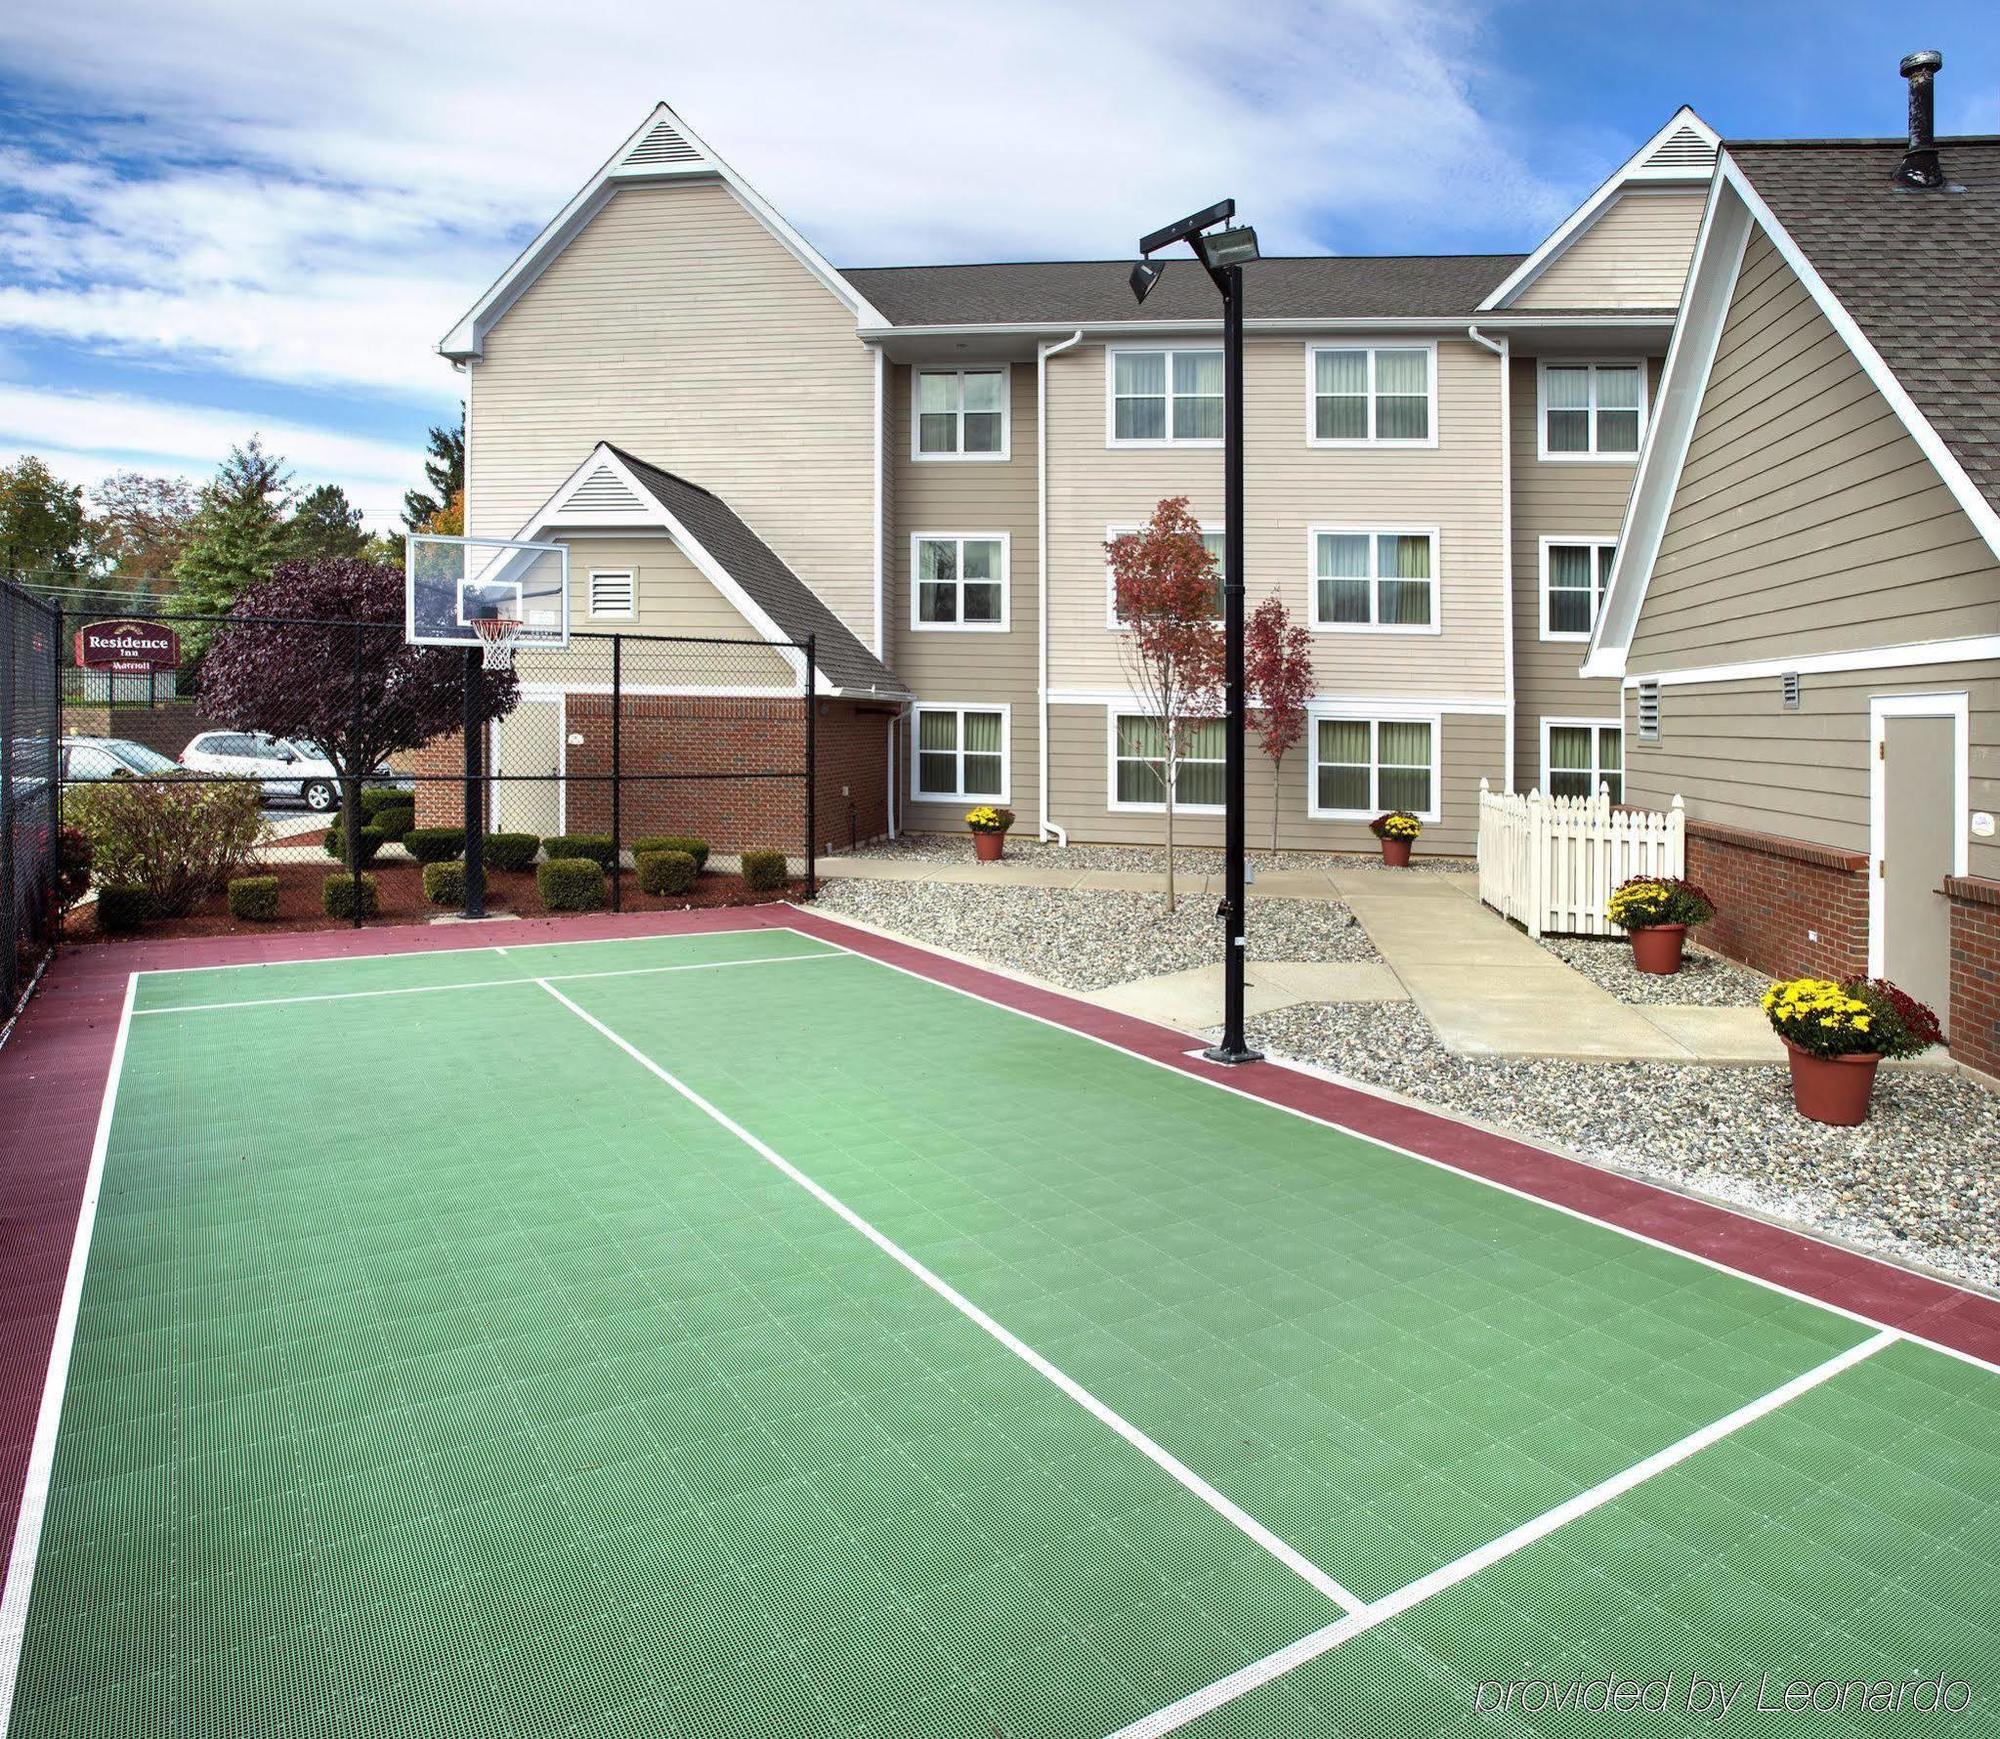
x=1974, y=1022
x=1784, y=906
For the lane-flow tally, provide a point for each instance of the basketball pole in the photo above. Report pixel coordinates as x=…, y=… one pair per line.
x=475, y=776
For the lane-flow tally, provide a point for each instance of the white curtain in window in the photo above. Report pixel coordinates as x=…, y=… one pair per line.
x=1403, y=777
x=1197, y=395
x=1343, y=576
x=1141, y=743
x=1139, y=388
x=1203, y=745
x=984, y=773
x=1402, y=395
x=1404, y=566
x=1340, y=754
x=1340, y=387
x=1570, y=586
x=937, y=752
x=984, y=412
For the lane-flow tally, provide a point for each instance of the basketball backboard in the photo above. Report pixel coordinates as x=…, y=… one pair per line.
x=454, y=581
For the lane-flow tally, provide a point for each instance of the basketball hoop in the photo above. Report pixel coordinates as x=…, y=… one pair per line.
x=497, y=635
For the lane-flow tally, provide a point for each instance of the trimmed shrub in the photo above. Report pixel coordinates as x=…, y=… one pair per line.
x=434, y=844
x=120, y=911
x=370, y=840
x=511, y=851
x=393, y=820
x=376, y=798
x=254, y=899
x=666, y=872
x=595, y=846
x=571, y=884
x=444, y=883
x=179, y=839
x=765, y=872
x=695, y=848
x=337, y=896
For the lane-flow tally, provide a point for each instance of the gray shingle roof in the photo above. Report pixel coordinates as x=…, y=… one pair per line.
x=775, y=589
x=1090, y=292
x=1918, y=271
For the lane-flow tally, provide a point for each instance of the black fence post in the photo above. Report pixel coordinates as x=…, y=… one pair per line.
x=53, y=879
x=10, y=951
x=473, y=807
x=351, y=821
x=812, y=768
x=617, y=772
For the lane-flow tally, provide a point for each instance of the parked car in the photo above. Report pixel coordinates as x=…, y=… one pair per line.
x=87, y=758
x=286, y=769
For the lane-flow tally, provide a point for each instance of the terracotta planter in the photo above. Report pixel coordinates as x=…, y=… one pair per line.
x=1396, y=853
x=1657, y=947
x=987, y=847
x=1832, y=1089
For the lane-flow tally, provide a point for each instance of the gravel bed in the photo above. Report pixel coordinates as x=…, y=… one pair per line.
x=1920, y=1181
x=1190, y=860
x=1085, y=940
x=1705, y=979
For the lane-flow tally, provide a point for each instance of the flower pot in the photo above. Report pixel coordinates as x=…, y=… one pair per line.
x=987, y=847
x=1396, y=853
x=1832, y=1089
x=1657, y=947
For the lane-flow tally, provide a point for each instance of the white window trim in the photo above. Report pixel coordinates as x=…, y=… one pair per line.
x=1595, y=542
x=1111, y=437
x=1371, y=532
x=1112, y=714
x=1591, y=456
x=962, y=707
x=1006, y=582
x=1596, y=772
x=630, y=575
x=1111, y=620
x=1380, y=443
x=1006, y=372
x=1376, y=718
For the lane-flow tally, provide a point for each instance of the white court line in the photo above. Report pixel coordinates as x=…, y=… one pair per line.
x=1194, y=1706
x=1184, y=1475
x=831, y=951
x=1216, y=1081
x=42, y=1449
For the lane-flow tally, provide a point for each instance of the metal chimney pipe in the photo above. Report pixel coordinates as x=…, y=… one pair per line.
x=1920, y=166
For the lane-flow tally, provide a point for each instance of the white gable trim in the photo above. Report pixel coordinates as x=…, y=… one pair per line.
x=1633, y=172
x=561, y=513
x=1700, y=331
x=662, y=147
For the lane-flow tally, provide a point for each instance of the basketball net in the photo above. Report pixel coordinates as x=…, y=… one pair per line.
x=497, y=635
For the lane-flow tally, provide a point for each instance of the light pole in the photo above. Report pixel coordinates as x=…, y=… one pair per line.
x=1223, y=255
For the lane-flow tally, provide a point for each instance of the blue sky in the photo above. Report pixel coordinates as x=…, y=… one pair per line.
x=214, y=221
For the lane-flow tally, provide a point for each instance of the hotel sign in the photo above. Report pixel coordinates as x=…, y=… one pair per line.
x=128, y=647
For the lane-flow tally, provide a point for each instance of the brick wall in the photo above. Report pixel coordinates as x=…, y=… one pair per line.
x=1973, y=1023
x=1784, y=906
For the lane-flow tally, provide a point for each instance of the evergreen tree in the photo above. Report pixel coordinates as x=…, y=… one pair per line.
x=445, y=470
x=239, y=535
x=326, y=527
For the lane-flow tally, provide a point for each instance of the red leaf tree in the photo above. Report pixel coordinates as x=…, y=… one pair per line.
x=1278, y=671
x=306, y=682
x=1163, y=584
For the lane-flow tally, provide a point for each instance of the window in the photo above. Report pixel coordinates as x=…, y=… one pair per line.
x=1372, y=396
x=1648, y=705
x=1213, y=539
x=1575, y=572
x=1366, y=579
x=611, y=592
x=1138, y=764
x=958, y=580
x=1158, y=396
x=1578, y=755
x=1362, y=767
x=959, y=413
x=1592, y=410
x=961, y=754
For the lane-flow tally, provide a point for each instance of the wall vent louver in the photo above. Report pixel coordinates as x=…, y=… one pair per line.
x=1649, y=712
x=1790, y=691
x=603, y=491
x=1684, y=149
x=663, y=143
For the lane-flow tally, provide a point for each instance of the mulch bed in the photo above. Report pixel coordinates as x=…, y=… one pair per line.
x=400, y=890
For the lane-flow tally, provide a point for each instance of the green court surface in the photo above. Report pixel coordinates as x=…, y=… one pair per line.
x=732, y=1335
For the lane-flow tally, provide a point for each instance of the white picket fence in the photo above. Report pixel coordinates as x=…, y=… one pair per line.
x=1551, y=862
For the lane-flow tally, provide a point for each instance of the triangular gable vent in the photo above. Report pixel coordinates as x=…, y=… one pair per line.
x=603, y=491
x=1684, y=149
x=664, y=143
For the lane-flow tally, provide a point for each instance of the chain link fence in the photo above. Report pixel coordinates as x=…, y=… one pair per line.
x=30, y=710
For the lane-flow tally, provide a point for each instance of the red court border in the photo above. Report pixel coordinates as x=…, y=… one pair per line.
x=52, y=1080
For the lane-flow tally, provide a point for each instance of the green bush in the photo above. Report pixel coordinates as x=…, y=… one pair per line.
x=376, y=798
x=595, y=846
x=254, y=899
x=512, y=851
x=393, y=820
x=179, y=839
x=666, y=872
x=370, y=839
x=337, y=897
x=434, y=844
x=120, y=911
x=765, y=872
x=695, y=848
x=444, y=883
x=571, y=884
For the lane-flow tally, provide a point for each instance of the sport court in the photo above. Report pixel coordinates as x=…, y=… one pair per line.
x=731, y=1334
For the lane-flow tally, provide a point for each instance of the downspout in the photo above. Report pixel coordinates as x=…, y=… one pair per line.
x=881, y=444
x=1042, y=354
x=895, y=726
x=1503, y=350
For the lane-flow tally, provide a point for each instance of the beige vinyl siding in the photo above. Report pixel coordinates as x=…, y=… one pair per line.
x=1806, y=519
x=1470, y=748
x=1453, y=488
x=1736, y=756
x=1554, y=498
x=1634, y=256
x=676, y=326
x=965, y=496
